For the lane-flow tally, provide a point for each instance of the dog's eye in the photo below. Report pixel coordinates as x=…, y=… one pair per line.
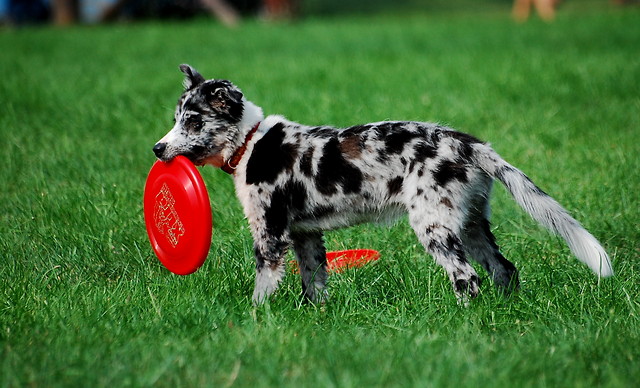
x=193, y=123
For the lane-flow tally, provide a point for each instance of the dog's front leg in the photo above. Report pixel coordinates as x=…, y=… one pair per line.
x=269, y=252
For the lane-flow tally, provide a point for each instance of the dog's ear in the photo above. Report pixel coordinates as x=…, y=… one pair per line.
x=224, y=98
x=193, y=78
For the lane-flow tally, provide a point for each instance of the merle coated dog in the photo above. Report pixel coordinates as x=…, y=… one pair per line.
x=296, y=181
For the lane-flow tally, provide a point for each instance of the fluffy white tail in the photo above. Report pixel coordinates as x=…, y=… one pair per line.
x=545, y=210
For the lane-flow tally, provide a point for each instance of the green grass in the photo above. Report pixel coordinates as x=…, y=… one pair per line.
x=84, y=302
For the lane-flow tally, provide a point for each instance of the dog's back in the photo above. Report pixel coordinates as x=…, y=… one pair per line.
x=363, y=173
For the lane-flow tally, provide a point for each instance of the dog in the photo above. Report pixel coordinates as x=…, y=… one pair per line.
x=295, y=182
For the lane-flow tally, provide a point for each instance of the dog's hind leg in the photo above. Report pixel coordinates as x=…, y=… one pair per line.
x=480, y=244
x=312, y=262
x=440, y=236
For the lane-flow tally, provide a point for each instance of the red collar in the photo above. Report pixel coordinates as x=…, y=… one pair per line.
x=230, y=165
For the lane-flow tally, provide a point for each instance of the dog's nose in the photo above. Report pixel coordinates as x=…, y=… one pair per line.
x=159, y=148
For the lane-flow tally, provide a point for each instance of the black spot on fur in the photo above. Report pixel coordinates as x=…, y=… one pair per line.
x=394, y=186
x=396, y=141
x=466, y=143
x=306, y=161
x=466, y=151
x=334, y=170
x=322, y=132
x=270, y=157
x=425, y=151
x=448, y=171
x=277, y=214
x=297, y=194
x=453, y=244
x=464, y=137
x=382, y=158
x=382, y=130
x=285, y=200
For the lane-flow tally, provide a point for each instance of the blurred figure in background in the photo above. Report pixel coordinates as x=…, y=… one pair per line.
x=136, y=9
x=65, y=12
x=280, y=9
x=545, y=8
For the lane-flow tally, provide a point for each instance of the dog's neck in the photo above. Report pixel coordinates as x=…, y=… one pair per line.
x=251, y=118
x=232, y=163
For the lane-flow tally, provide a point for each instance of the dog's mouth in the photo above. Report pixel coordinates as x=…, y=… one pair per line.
x=214, y=160
x=198, y=155
x=192, y=158
x=196, y=160
x=203, y=160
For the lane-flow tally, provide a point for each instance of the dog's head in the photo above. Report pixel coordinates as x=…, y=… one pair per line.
x=208, y=121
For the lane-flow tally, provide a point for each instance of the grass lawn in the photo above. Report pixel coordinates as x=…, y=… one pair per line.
x=84, y=302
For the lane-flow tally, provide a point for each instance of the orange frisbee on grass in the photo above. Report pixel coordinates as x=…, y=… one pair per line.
x=177, y=215
x=338, y=261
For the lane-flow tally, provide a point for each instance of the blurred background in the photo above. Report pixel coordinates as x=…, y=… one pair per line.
x=230, y=12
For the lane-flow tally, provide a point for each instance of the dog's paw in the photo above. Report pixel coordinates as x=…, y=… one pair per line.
x=260, y=297
x=508, y=285
x=466, y=289
x=267, y=282
x=319, y=297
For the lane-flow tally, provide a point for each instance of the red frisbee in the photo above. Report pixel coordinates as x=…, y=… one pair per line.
x=338, y=261
x=177, y=214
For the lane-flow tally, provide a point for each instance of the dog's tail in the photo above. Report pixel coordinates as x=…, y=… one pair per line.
x=544, y=209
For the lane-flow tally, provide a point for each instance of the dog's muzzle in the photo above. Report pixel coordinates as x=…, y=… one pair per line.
x=159, y=149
